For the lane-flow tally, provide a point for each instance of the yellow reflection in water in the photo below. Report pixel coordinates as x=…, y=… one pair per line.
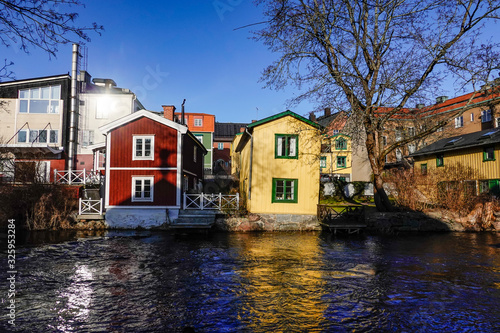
x=283, y=283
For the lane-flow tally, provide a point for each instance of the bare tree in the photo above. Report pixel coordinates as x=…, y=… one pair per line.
x=368, y=54
x=42, y=24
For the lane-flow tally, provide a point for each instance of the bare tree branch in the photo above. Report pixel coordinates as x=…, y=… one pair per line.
x=374, y=54
x=41, y=24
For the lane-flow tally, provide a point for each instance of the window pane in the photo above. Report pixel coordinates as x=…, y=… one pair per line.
x=42, y=137
x=21, y=136
x=35, y=93
x=147, y=188
x=54, y=107
x=56, y=92
x=45, y=93
x=293, y=146
x=279, y=189
x=53, y=136
x=33, y=135
x=39, y=106
x=279, y=146
x=24, y=93
x=147, y=147
x=289, y=190
x=138, y=147
x=23, y=106
x=138, y=189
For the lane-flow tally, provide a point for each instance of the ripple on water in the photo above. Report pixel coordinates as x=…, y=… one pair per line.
x=291, y=282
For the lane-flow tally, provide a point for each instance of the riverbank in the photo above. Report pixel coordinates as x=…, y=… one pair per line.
x=485, y=217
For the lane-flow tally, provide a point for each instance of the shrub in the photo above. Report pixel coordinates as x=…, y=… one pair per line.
x=37, y=206
x=452, y=187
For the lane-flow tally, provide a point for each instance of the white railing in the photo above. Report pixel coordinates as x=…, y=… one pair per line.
x=205, y=201
x=90, y=207
x=77, y=177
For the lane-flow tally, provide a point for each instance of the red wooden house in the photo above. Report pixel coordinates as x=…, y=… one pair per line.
x=150, y=161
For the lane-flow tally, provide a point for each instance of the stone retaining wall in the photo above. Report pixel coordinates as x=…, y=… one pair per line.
x=268, y=222
x=408, y=221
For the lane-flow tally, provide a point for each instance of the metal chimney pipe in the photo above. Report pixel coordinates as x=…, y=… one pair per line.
x=182, y=112
x=73, y=125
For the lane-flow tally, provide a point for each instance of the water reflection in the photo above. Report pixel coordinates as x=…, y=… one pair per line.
x=75, y=301
x=272, y=282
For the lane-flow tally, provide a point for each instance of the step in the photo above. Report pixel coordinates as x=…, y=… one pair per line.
x=193, y=222
x=191, y=212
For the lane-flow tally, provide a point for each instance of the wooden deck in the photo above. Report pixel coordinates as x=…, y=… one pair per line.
x=345, y=217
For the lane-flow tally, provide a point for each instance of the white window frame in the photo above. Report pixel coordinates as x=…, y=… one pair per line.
x=198, y=122
x=399, y=155
x=412, y=147
x=26, y=136
x=48, y=137
x=87, y=138
x=472, y=117
x=486, y=116
x=151, y=156
x=459, y=122
x=54, y=102
x=220, y=145
x=199, y=137
x=143, y=179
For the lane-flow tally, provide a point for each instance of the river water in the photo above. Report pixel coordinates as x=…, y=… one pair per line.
x=244, y=282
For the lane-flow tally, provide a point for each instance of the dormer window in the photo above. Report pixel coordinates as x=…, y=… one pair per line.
x=340, y=144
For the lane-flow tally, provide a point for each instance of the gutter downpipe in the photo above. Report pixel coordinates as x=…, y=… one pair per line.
x=73, y=127
x=250, y=169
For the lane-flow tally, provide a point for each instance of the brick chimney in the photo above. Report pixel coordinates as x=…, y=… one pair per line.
x=168, y=111
x=328, y=112
x=312, y=116
x=242, y=129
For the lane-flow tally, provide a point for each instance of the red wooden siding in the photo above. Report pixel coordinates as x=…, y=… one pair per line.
x=165, y=146
x=164, y=194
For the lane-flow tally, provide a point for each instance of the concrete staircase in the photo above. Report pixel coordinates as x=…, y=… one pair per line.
x=194, y=219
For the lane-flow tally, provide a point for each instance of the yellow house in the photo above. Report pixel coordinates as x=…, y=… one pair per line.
x=479, y=151
x=276, y=161
x=336, y=157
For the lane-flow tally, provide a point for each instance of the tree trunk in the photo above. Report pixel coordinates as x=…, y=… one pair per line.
x=381, y=199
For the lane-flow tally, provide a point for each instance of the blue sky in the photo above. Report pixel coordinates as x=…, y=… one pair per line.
x=171, y=50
